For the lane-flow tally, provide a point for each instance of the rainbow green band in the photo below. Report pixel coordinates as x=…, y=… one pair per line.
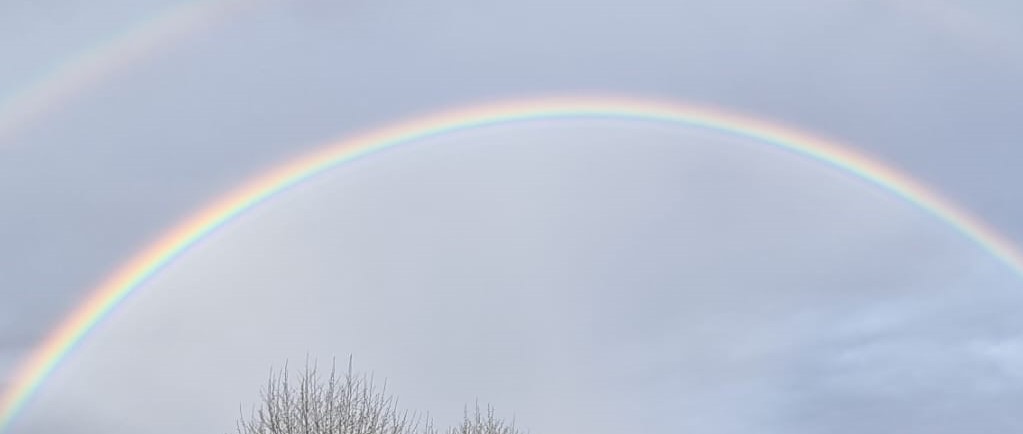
x=135, y=272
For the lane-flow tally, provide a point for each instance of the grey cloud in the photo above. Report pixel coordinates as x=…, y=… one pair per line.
x=128, y=159
x=473, y=266
x=929, y=363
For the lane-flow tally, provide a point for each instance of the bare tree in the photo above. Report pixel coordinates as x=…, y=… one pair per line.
x=337, y=404
x=346, y=404
x=480, y=423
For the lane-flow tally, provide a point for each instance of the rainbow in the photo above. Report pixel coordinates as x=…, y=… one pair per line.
x=174, y=243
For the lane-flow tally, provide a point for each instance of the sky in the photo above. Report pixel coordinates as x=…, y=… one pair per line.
x=584, y=276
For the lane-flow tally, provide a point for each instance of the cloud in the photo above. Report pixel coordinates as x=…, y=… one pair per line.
x=558, y=271
x=928, y=363
x=707, y=294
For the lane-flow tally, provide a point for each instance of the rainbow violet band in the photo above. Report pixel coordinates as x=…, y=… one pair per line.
x=133, y=274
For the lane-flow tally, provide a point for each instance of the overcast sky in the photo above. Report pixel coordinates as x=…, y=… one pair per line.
x=583, y=276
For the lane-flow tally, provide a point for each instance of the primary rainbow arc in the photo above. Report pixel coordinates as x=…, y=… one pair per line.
x=135, y=272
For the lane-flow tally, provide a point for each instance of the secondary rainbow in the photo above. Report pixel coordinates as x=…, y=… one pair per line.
x=175, y=242
x=91, y=67
x=54, y=88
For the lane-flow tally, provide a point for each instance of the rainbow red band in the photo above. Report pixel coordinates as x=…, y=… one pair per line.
x=134, y=273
